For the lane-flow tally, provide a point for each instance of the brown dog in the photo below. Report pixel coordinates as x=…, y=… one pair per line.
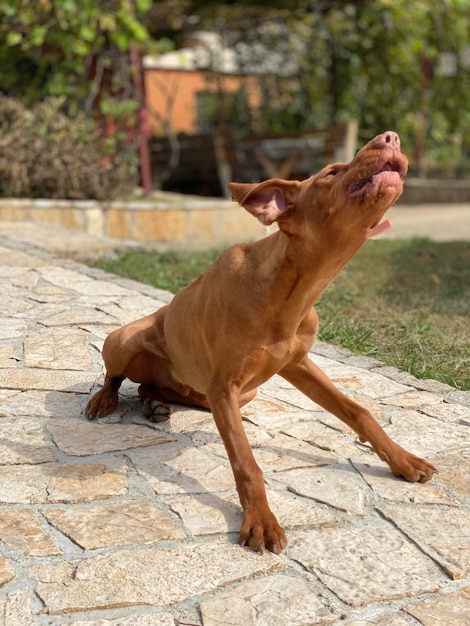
x=251, y=316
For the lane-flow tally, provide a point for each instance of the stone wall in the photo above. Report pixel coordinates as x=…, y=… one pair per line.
x=182, y=220
x=433, y=191
x=169, y=218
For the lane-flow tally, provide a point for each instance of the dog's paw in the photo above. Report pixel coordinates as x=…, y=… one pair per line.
x=101, y=404
x=412, y=468
x=261, y=531
x=156, y=411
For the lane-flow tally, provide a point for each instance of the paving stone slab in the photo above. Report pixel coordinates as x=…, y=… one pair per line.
x=207, y=437
x=23, y=441
x=444, y=534
x=39, y=290
x=76, y=316
x=454, y=473
x=79, y=437
x=16, y=609
x=7, y=572
x=269, y=414
x=50, y=295
x=79, y=282
x=47, y=380
x=115, y=312
x=126, y=309
x=9, y=271
x=15, y=305
x=282, y=391
x=364, y=566
x=293, y=511
x=58, y=348
x=28, y=279
x=281, y=453
x=98, y=331
x=183, y=419
x=151, y=619
x=21, y=530
x=424, y=435
x=7, y=394
x=149, y=576
x=21, y=260
x=334, y=486
x=450, y=609
x=383, y=620
x=458, y=396
x=11, y=328
x=323, y=437
x=415, y=399
x=267, y=601
x=209, y=514
x=381, y=480
x=114, y=524
x=176, y=468
x=371, y=384
x=139, y=304
x=41, y=404
x=7, y=356
x=455, y=408
x=81, y=482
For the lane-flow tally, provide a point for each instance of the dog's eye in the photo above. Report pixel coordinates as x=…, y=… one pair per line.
x=332, y=172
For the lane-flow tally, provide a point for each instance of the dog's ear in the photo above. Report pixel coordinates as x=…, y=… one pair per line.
x=267, y=200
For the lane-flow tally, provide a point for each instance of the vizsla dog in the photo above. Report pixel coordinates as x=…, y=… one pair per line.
x=251, y=316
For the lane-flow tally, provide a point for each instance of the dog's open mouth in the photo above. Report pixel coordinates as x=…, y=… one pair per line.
x=392, y=170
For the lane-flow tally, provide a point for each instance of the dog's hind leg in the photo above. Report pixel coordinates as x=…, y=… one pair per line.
x=156, y=408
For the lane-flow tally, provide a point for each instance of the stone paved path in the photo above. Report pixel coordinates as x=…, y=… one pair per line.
x=123, y=522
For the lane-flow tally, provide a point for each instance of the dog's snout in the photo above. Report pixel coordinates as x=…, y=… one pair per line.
x=389, y=138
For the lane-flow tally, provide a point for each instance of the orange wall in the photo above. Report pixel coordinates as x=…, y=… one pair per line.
x=171, y=95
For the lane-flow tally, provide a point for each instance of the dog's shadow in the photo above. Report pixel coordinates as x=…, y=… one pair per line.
x=186, y=429
x=99, y=439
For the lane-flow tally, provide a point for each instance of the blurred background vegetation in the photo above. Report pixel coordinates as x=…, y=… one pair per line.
x=70, y=84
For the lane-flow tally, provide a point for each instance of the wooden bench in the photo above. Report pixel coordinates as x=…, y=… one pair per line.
x=185, y=163
x=206, y=163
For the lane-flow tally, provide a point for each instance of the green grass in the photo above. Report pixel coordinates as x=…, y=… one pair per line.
x=405, y=302
x=166, y=270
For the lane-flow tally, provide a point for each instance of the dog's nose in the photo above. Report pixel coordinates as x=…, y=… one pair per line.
x=389, y=138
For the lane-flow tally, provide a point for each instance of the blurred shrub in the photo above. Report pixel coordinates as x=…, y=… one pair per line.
x=46, y=154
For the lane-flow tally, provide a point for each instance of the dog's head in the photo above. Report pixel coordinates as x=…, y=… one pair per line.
x=343, y=199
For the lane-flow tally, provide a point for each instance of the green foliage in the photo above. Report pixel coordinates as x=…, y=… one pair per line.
x=345, y=60
x=50, y=42
x=359, y=60
x=76, y=51
x=46, y=154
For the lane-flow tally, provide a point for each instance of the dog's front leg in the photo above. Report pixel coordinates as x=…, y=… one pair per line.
x=260, y=529
x=315, y=384
x=105, y=400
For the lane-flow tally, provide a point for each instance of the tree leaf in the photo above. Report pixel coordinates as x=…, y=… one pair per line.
x=38, y=35
x=13, y=38
x=87, y=32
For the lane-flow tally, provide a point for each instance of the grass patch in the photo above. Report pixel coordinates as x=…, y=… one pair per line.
x=405, y=302
x=170, y=270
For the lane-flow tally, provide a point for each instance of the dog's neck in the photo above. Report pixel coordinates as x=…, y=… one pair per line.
x=295, y=272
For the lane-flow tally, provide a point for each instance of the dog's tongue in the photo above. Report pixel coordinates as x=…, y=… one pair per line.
x=379, y=229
